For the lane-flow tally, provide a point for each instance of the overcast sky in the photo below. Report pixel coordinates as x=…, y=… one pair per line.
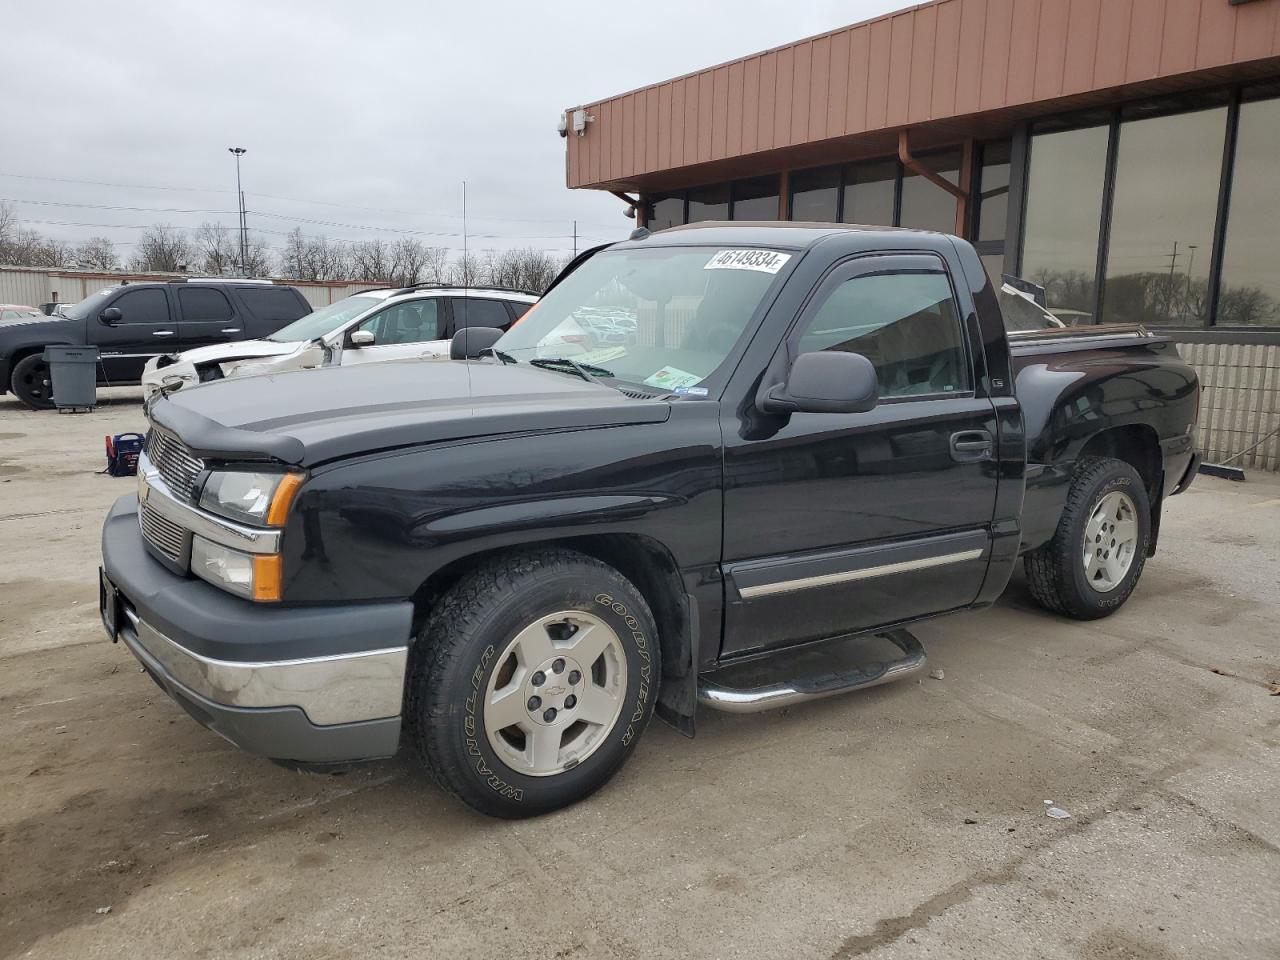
x=365, y=114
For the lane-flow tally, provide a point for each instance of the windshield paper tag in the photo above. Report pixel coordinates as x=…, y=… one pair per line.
x=765, y=261
x=670, y=377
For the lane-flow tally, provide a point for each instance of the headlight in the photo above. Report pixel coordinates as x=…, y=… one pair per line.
x=252, y=497
x=252, y=576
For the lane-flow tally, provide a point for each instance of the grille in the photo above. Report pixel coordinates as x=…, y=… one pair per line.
x=162, y=533
x=178, y=468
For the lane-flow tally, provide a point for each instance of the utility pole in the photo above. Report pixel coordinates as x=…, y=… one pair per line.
x=1168, y=296
x=466, y=264
x=575, y=239
x=244, y=242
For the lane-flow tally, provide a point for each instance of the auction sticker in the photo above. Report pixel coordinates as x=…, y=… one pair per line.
x=765, y=261
x=671, y=377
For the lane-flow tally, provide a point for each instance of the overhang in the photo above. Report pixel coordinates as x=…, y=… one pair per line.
x=946, y=70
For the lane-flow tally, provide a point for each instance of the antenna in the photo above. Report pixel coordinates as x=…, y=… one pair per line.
x=466, y=264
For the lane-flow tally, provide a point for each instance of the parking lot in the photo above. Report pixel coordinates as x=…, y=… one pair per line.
x=905, y=821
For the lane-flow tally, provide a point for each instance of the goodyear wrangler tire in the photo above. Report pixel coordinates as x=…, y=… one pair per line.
x=1090, y=567
x=532, y=680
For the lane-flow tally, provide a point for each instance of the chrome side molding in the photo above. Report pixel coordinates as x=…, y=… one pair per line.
x=792, y=691
x=863, y=573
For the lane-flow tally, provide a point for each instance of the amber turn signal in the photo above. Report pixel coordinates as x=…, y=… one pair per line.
x=282, y=499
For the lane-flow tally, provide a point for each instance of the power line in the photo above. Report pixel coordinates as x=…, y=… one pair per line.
x=281, y=216
x=108, y=206
x=267, y=196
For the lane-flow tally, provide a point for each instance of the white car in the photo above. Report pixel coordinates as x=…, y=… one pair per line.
x=402, y=323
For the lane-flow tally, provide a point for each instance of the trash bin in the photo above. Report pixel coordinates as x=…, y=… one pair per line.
x=74, y=371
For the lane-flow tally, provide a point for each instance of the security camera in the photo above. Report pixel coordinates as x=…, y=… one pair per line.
x=563, y=126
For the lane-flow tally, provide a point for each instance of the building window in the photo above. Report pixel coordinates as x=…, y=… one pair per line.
x=1168, y=171
x=1249, y=291
x=666, y=212
x=709, y=203
x=869, y=193
x=925, y=205
x=993, y=191
x=1065, y=180
x=815, y=195
x=755, y=199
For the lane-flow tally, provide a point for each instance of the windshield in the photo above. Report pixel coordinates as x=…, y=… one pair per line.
x=664, y=317
x=324, y=321
x=89, y=306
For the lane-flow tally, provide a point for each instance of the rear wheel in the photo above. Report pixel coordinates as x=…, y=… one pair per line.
x=31, y=382
x=1096, y=556
x=532, y=681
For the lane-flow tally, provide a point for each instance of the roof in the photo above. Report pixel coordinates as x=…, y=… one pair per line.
x=947, y=70
x=432, y=290
x=787, y=234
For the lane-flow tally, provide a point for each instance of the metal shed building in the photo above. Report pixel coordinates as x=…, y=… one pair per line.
x=1121, y=153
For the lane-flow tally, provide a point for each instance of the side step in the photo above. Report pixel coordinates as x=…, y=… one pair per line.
x=792, y=691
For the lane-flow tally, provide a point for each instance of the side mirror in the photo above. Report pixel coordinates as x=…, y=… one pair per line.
x=469, y=342
x=363, y=338
x=826, y=382
x=111, y=315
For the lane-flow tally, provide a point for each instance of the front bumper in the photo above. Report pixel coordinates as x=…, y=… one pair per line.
x=307, y=684
x=154, y=376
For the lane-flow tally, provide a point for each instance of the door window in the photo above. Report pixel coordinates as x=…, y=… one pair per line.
x=474, y=312
x=906, y=324
x=413, y=321
x=204, y=303
x=143, y=306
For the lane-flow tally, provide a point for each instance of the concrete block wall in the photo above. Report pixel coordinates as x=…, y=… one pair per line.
x=1240, y=401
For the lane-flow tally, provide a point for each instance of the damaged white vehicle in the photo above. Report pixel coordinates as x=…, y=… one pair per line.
x=397, y=323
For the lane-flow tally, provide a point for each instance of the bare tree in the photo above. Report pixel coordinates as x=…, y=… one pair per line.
x=313, y=258
x=525, y=269
x=8, y=226
x=217, y=250
x=97, y=253
x=258, y=257
x=408, y=261
x=435, y=265
x=164, y=249
x=466, y=270
x=371, y=260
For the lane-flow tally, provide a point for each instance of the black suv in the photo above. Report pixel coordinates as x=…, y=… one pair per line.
x=133, y=322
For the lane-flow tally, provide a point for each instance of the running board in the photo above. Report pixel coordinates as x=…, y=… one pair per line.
x=793, y=691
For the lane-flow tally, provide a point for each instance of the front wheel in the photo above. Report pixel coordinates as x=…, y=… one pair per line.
x=1096, y=555
x=532, y=680
x=31, y=382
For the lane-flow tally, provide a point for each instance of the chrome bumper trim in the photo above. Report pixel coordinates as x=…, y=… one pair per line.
x=155, y=493
x=346, y=688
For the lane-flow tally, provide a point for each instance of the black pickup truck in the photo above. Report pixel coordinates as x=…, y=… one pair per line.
x=133, y=322
x=803, y=433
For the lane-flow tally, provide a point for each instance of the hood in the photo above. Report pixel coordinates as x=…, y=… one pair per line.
x=307, y=417
x=61, y=329
x=238, y=350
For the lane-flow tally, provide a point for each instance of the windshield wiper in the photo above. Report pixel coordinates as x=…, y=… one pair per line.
x=502, y=355
x=586, y=371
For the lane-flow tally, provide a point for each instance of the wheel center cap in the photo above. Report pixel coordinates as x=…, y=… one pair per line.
x=553, y=690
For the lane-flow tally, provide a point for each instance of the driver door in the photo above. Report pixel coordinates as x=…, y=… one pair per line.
x=840, y=522
x=403, y=331
x=145, y=330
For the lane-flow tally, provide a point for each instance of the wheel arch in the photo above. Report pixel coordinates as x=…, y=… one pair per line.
x=1138, y=445
x=650, y=566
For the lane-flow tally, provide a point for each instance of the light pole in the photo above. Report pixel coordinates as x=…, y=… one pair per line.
x=244, y=242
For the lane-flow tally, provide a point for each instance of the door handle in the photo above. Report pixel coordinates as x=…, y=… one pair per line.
x=162, y=333
x=970, y=445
